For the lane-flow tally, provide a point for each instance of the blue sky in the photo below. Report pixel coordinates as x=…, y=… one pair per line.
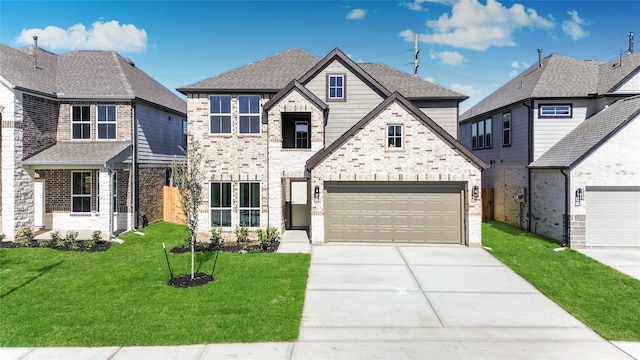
x=469, y=46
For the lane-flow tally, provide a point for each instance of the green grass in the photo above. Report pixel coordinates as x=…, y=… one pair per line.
x=120, y=297
x=602, y=298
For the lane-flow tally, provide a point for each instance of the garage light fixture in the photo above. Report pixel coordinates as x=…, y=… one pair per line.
x=316, y=193
x=475, y=192
x=579, y=195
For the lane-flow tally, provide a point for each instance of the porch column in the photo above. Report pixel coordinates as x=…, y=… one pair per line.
x=104, y=202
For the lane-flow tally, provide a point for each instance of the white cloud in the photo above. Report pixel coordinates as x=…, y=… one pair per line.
x=417, y=4
x=574, y=27
x=407, y=35
x=448, y=57
x=472, y=25
x=357, y=14
x=468, y=90
x=101, y=36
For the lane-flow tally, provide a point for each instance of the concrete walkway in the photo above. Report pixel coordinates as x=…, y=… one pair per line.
x=625, y=260
x=402, y=302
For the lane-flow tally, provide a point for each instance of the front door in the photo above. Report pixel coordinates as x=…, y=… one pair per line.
x=300, y=205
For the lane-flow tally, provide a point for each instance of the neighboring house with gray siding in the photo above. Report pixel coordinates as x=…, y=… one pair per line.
x=541, y=130
x=87, y=141
x=345, y=151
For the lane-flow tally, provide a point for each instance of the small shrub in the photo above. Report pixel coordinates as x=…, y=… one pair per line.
x=55, y=236
x=242, y=235
x=74, y=245
x=272, y=234
x=96, y=236
x=59, y=243
x=44, y=243
x=89, y=244
x=2, y=236
x=25, y=236
x=216, y=236
x=71, y=236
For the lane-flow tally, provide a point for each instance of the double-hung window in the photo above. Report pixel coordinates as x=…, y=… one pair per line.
x=336, y=87
x=394, y=136
x=81, y=191
x=220, y=114
x=220, y=204
x=106, y=122
x=302, y=134
x=249, y=204
x=80, y=122
x=249, y=114
x=506, y=129
x=488, y=134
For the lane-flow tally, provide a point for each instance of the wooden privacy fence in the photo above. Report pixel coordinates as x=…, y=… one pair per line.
x=172, y=211
x=487, y=204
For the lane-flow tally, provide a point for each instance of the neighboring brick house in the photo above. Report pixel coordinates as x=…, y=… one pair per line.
x=346, y=151
x=560, y=162
x=87, y=141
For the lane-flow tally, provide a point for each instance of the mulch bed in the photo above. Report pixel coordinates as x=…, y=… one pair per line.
x=76, y=245
x=183, y=281
x=227, y=247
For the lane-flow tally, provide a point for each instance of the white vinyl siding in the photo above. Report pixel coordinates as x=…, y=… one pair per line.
x=361, y=99
x=548, y=131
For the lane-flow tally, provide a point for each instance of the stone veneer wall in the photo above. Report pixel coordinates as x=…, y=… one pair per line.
x=289, y=163
x=151, y=179
x=425, y=157
x=228, y=157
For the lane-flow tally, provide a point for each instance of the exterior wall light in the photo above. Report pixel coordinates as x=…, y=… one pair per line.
x=475, y=192
x=579, y=195
x=316, y=193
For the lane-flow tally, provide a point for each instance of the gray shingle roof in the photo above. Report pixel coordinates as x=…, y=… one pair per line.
x=83, y=74
x=558, y=77
x=275, y=72
x=81, y=153
x=590, y=134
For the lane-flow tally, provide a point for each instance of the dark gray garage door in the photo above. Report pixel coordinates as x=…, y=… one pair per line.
x=393, y=212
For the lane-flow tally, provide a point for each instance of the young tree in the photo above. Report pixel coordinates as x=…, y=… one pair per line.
x=188, y=177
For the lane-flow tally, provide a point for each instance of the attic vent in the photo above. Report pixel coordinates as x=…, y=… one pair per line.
x=131, y=62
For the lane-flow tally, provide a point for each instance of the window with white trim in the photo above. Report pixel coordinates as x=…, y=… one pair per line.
x=506, y=129
x=81, y=191
x=249, y=204
x=106, y=122
x=81, y=122
x=249, y=114
x=220, y=114
x=394, y=136
x=336, y=87
x=302, y=134
x=555, y=111
x=220, y=203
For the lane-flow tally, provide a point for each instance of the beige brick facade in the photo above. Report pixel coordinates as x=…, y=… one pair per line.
x=425, y=157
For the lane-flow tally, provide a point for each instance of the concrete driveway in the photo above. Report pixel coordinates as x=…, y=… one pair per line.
x=417, y=302
x=401, y=302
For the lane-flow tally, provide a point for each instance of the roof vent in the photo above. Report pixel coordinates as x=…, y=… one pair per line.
x=539, y=57
x=131, y=62
x=35, y=51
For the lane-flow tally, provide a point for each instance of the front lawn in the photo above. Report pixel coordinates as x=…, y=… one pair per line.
x=602, y=298
x=120, y=297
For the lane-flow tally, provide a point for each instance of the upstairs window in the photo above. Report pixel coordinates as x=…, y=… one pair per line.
x=185, y=134
x=302, y=135
x=555, y=111
x=106, y=122
x=336, y=87
x=482, y=134
x=81, y=122
x=394, y=136
x=506, y=129
x=220, y=114
x=249, y=114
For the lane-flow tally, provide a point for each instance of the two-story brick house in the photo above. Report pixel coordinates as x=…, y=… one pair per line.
x=346, y=151
x=544, y=134
x=87, y=141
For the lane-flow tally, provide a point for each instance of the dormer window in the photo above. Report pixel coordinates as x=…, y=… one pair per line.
x=336, y=87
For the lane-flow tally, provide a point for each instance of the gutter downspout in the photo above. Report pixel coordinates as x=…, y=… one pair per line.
x=565, y=227
x=529, y=158
x=134, y=165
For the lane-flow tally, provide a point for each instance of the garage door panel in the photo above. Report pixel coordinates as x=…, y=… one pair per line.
x=402, y=212
x=613, y=216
